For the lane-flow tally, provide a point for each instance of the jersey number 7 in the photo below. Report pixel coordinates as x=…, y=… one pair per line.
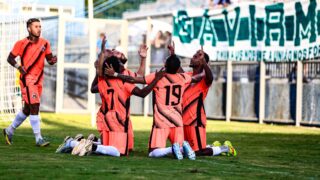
x=112, y=101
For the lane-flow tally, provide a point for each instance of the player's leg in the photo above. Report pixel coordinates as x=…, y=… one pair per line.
x=34, y=93
x=35, y=124
x=176, y=136
x=69, y=143
x=20, y=117
x=131, y=136
x=157, y=143
x=105, y=150
x=160, y=152
x=18, y=120
x=216, y=150
x=196, y=136
x=86, y=147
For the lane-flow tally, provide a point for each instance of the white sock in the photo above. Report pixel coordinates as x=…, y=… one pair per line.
x=107, y=150
x=160, y=152
x=219, y=150
x=35, y=123
x=216, y=150
x=18, y=120
x=73, y=143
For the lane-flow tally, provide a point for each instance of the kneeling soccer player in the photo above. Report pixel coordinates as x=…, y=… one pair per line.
x=167, y=109
x=194, y=117
x=112, y=122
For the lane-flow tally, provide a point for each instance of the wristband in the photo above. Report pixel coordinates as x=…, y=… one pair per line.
x=115, y=74
x=17, y=65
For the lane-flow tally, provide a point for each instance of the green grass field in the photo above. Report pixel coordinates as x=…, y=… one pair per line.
x=264, y=151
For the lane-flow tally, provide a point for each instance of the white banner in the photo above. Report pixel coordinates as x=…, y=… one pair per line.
x=251, y=31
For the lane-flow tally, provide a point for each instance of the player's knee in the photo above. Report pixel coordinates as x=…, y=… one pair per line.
x=34, y=109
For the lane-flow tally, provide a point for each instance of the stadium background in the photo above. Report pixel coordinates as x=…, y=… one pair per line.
x=264, y=151
x=264, y=92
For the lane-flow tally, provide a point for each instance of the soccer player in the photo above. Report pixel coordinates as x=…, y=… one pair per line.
x=32, y=51
x=167, y=109
x=194, y=116
x=140, y=72
x=113, y=116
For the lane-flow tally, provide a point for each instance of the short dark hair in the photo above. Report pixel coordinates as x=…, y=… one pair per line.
x=172, y=64
x=31, y=20
x=206, y=57
x=112, y=61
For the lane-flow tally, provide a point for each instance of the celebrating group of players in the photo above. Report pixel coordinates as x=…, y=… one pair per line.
x=178, y=103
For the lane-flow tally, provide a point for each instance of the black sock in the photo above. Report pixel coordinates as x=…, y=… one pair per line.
x=205, y=152
x=94, y=147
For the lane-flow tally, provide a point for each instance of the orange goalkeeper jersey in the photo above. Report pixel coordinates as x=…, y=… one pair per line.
x=32, y=55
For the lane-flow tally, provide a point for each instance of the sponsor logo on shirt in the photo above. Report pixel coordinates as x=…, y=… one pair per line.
x=43, y=48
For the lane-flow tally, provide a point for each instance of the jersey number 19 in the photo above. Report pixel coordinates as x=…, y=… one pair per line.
x=174, y=91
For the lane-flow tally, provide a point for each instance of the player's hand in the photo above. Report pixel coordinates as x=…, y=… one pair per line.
x=53, y=60
x=143, y=51
x=171, y=48
x=201, y=57
x=109, y=71
x=104, y=41
x=159, y=74
x=22, y=70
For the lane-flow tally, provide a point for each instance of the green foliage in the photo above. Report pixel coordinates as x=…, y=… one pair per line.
x=264, y=151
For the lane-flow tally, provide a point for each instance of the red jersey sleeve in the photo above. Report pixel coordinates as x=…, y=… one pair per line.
x=17, y=48
x=149, y=78
x=48, y=49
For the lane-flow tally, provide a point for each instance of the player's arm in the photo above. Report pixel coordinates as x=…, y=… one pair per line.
x=12, y=61
x=109, y=71
x=207, y=70
x=99, y=64
x=146, y=90
x=143, y=55
x=197, y=78
x=94, y=85
x=51, y=59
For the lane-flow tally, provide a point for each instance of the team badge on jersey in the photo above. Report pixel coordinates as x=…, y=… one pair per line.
x=34, y=96
x=43, y=48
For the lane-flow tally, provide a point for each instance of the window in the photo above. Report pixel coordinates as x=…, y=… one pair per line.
x=54, y=10
x=41, y=9
x=27, y=8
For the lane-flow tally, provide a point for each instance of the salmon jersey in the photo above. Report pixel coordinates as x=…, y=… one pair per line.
x=167, y=99
x=125, y=72
x=32, y=55
x=192, y=103
x=115, y=103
